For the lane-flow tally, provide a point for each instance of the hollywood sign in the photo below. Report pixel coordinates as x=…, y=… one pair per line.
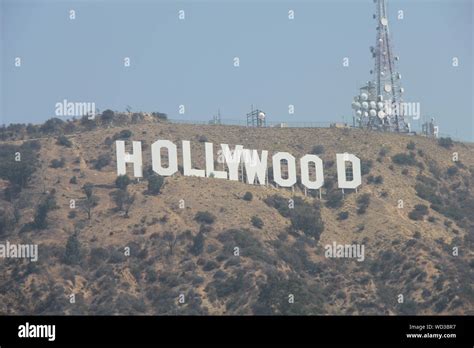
x=254, y=164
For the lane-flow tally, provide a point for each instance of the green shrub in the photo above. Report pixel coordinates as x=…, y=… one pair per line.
x=204, y=217
x=343, y=215
x=365, y=166
x=107, y=116
x=72, y=254
x=404, y=159
x=108, y=141
x=102, y=161
x=160, y=116
x=148, y=171
x=307, y=219
x=39, y=221
x=53, y=125
x=248, y=196
x=198, y=244
x=257, y=222
x=317, y=150
x=7, y=220
x=304, y=217
x=445, y=142
x=280, y=203
x=334, y=199
x=411, y=145
x=384, y=151
x=418, y=212
x=57, y=163
x=378, y=180
x=123, y=134
x=273, y=297
x=64, y=141
x=123, y=200
x=428, y=193
x=41, y=214
x=88, y=123
x=91, y=201
x=249, y=245
x=18, y=172
x=363, y=203
x=73, y=180
x=155, y=182
x=88, y=189
x=453, y=170
x=210, y=265
x=122, y=181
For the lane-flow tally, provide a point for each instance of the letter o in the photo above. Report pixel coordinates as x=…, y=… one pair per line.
x=276, y=161
x=172, y=157
x=318, y=163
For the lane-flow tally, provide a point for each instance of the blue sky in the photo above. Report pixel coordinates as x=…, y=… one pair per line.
x=190, y=62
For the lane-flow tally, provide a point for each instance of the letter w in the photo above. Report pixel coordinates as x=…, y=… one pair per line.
x=255, y=166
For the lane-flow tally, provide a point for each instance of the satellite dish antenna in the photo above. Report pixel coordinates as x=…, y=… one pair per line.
x=384, y=21
x=388, y=88
x=261, y=115
x=381, y=114
x=364, y=96
x=365, y=105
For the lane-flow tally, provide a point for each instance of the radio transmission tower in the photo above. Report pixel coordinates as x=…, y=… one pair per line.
x=379, y=104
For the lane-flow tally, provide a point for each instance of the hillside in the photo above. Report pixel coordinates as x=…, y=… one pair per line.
x=190, y=250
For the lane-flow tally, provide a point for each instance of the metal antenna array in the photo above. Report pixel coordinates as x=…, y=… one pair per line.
x=430, y=129
x=256, y=118
x=216, y=119
x=379, y=104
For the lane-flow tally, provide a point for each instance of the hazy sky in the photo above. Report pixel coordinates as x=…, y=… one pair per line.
x=190, y=62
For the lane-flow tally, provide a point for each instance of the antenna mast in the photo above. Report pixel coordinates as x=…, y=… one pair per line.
x=379, y=105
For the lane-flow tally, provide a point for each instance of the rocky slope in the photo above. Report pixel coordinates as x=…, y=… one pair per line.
x=174, y=252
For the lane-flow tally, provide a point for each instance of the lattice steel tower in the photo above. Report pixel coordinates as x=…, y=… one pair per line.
x=379, y=104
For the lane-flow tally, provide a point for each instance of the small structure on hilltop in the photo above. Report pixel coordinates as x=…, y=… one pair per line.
x=216, y=119
x=430, y=129
x=256, y=118
x=339, y=125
